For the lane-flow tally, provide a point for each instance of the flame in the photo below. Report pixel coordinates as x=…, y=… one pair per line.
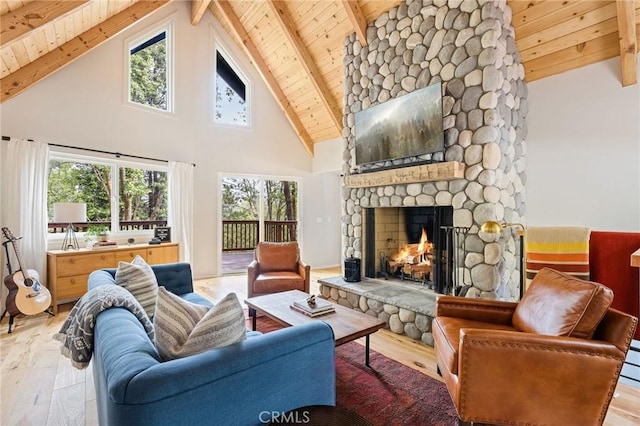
x=410, y=251
x=422, y=247
x=402, y=254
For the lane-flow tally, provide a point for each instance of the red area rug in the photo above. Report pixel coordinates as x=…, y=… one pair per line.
x=388, y=393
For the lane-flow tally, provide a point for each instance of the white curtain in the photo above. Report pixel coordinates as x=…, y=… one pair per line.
x=24, y=169
x=181, y=207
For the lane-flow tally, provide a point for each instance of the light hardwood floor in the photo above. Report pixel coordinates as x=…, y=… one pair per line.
x=39, y=387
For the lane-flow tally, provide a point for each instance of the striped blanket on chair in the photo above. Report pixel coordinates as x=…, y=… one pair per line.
x=564, y=249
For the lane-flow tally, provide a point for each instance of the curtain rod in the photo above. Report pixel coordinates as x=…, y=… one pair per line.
x=116, y=154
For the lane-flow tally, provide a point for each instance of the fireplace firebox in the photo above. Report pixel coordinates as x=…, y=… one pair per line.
x=410, y=243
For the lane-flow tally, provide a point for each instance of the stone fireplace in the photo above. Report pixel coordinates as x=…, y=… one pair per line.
x=469, y=47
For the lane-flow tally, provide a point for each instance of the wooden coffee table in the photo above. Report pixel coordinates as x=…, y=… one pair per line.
x=347, y=324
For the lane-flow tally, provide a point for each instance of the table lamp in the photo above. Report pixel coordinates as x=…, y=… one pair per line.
x=491, y=227
x=70, y=213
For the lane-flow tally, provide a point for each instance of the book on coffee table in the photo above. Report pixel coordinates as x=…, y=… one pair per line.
x=321, y=307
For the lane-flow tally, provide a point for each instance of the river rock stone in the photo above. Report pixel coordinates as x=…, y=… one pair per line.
x=470, y=98
x=485, y=277
x=466, y=67
x=491, y=156
x=436, y=44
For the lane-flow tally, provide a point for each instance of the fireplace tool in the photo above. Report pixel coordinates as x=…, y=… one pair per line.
x=454, y=235
x=383, y=272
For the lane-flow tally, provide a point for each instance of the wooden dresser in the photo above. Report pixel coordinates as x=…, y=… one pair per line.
x=67, y=271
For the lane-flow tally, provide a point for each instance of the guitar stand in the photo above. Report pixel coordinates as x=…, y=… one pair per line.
x=11, y=318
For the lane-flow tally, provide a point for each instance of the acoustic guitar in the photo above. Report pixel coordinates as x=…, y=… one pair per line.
x=26, y=294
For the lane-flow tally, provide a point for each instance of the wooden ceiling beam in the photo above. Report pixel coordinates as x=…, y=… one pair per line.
x=628, y=43
x=31, y=16
x=225, y=9
x=358, y=21
x=279, y=10
x=46, y=65
x=198, y=7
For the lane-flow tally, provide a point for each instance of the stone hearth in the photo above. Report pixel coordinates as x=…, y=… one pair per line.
x=468, y=46
x=407, y=309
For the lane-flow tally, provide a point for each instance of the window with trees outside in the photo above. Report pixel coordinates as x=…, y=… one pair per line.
x=150, y=66
x=254, y=210
x=120, y=196
x=231, y=94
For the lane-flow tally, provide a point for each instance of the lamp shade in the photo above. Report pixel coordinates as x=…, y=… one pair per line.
x=491, y=227
x=69, y=212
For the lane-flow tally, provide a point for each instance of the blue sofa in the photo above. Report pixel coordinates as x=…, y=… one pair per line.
x=240, y=384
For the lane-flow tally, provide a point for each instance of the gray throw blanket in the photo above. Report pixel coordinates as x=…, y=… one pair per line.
x=76, y=333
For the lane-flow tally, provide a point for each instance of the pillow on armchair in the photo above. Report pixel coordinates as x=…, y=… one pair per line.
x=558, y=304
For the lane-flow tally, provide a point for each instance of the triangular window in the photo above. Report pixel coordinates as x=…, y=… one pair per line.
x=231, y=94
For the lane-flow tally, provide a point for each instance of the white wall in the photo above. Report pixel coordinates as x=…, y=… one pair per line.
x=82, y=105
x=321, y=219
x=583, y=150
x=328, y=156
x=323, y=206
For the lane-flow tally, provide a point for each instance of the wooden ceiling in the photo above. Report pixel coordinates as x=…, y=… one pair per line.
x=297, y=45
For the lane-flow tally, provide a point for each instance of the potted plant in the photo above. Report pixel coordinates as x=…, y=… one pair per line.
x=100, y=232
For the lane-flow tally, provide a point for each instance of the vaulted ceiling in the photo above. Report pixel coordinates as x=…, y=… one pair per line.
x=297, y=45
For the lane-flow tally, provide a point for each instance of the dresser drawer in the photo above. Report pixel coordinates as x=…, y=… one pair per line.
x=162, y=254
x=84, y=264
x=72, y=287
x=128, y=255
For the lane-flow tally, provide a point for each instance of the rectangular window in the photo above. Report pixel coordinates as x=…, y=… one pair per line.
x=231, y=94
x=122, y=197
x=80, y=182
x=150, y=70
x=253, y=210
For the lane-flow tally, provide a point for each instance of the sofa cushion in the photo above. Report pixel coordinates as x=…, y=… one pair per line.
x=277, y=256
x=183, y=328
x=557, y=304
x=140, y=280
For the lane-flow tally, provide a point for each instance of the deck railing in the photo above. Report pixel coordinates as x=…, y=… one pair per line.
x=239, y=235
x=125, y=225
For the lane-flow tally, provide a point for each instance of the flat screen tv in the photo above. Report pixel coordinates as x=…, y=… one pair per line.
x=407, y=126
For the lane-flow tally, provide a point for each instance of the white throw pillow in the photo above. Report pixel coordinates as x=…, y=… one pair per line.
x=139, y=279
x=183, y=328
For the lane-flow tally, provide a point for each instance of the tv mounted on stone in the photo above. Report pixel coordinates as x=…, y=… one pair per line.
x=401, y=128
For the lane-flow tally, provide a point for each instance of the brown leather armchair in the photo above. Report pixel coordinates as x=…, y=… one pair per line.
x=554, y=358
x=277, y=267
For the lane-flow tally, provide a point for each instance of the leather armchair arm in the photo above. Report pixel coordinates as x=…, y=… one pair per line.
x=253, y=270
x=492, y=311
x=539, y=372
x=304, y=271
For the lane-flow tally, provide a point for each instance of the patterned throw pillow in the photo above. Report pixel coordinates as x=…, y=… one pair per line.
x=139, y=279
x=183, y=328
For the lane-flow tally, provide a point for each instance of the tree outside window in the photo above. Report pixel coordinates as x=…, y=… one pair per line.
x=231, y=94
x=149, y=72
x=141, y=193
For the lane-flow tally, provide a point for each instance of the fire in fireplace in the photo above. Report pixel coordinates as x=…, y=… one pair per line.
x=408, y=243
x=413, y=261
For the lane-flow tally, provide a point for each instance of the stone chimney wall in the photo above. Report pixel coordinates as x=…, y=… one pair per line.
x=468, y=46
